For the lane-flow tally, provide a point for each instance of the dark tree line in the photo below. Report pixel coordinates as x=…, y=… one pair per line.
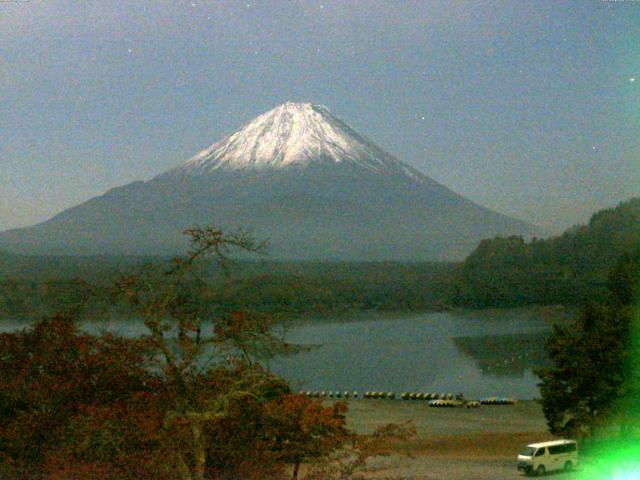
x=269, y=287
x=568, y=269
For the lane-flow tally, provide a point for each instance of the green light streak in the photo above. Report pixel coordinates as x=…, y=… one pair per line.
x=621, y=461
x=618, y=457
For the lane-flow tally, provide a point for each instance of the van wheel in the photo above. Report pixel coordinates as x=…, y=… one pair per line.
x=541, y=470
x=568, y=466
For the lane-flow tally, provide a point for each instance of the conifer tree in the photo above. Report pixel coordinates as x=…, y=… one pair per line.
x=593, y=375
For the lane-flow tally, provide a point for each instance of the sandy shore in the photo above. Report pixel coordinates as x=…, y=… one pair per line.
x=452, y=443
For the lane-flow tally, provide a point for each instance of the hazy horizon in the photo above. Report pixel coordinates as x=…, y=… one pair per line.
x=530, y=109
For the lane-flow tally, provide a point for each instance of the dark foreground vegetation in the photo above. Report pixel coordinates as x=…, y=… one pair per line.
x=592, y=387
x=188, y=400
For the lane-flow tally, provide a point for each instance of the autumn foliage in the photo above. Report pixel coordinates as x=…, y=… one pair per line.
x=305, y=430
x=83, y=407
x=70, y=401
x=186, y=400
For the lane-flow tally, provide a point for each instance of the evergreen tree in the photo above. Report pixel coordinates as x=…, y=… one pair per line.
x=579, y=390
x=593, y=362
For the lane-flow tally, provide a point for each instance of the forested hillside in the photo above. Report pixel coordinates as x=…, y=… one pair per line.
x=567, y=269
x=31, y=287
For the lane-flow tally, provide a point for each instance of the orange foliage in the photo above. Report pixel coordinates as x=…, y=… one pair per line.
x=77, y=406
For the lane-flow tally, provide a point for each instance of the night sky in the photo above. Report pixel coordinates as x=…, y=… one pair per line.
x=530, y=108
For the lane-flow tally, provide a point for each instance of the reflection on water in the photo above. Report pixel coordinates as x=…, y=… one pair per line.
x=476, y=353
x=506, y=355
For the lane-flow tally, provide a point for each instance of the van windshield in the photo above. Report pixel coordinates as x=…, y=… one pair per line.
x=528, y=452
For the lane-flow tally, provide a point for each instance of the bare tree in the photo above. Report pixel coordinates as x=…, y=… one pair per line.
x=192, y=339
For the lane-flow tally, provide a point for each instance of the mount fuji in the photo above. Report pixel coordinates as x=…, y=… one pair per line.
x=297, y=176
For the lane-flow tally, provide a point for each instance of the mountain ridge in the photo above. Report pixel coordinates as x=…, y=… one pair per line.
x=296, y=175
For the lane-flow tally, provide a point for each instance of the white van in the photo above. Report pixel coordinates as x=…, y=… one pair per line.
x=540, y=458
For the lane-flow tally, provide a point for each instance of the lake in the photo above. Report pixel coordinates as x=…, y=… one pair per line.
x=476, y=353
x=479, y=354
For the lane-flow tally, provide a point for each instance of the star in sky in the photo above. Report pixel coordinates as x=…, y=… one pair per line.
x=632, y=79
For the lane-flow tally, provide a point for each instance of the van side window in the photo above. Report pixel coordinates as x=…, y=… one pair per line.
x=559, y=449
x=540, y=452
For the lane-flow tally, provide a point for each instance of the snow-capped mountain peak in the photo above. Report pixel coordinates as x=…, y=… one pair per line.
x=293, y=134
x=297, y=176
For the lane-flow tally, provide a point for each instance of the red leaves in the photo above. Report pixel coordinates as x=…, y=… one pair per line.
x=74, y=405
x=79, y=406
x=60, y=388
x=302, y=428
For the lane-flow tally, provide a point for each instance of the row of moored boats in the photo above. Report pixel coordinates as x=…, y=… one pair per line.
x=434, y=399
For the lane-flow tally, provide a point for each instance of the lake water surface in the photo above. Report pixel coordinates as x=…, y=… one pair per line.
x=476, y=353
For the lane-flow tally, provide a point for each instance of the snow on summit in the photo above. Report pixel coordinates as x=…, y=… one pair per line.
x=294, y=134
